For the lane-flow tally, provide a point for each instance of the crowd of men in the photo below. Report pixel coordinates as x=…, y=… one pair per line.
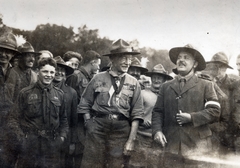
x=60, y=111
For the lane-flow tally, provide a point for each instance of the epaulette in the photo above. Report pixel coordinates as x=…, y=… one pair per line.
x=204, y=76
x=28, y=87
x=58, y=89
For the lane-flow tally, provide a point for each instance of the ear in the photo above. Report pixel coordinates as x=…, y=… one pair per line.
x=195, y=64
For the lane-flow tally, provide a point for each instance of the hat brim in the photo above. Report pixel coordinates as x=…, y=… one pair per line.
x=174, y=52
x=168, y=77
x=221, y=63
x=9, y=48
x=69, y=70
x=123, y=53
x=35, y=53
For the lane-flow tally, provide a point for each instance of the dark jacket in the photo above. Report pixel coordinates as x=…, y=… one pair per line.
x=198, y=98
x=9, y=89
x=27, y=77
x=28, y=115
x=70, y=100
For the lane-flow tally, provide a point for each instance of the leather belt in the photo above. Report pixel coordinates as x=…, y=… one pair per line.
x=43, y=133
x=111, y=116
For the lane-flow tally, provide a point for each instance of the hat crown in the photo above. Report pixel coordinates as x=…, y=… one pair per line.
x=220, y=57
x=135, y=62
x=26, y=48
x=159, y=69
x=59, y=60
x=121, y=46
x=8, y=41
x=189, y=46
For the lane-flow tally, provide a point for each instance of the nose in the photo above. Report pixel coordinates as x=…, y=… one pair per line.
x=128, y=61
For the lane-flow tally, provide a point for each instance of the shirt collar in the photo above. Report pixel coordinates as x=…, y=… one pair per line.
x=115, y=75
x=42, y=86
x=187, y=77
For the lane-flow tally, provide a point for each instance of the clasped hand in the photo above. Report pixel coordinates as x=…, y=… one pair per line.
x=183, y=118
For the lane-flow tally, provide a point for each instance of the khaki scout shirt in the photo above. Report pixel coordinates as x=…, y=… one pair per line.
x=99, y=96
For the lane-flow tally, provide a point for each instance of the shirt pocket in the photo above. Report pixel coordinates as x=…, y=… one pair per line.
x=56, y=107
x=34, y=108
x=125, y=99
x=102, y=98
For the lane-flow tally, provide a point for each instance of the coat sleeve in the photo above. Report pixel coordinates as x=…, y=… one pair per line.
x=236, y=109
x=158, y=112
x=137, y=104
x=74, y=117
x=211, y=111
x=63, y=127
x=87, y=99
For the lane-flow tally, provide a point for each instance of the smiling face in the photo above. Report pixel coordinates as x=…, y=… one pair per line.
x=46, y=74
x=135, y=72
x=6, y=55
x=60, y=74
x=157, y=80
x=121, y=63
x=185, y=63
x=28, y=60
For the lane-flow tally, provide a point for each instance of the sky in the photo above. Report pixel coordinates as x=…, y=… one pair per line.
x=210, y=26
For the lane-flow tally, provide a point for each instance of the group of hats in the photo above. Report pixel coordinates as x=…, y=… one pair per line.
x=8, y=41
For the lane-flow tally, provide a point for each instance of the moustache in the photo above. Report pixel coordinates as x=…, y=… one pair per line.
x=181, y=63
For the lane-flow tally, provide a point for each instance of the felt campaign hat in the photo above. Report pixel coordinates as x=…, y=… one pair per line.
x=121, y=47
x=221, y=58
x=159, y=69
x=61, y=63
x=174, y=52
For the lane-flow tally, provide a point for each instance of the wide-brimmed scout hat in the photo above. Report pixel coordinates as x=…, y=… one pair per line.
x=137, y=64
x=121, y=47
x=174, y=52
x=61, y=63
x=27, y=48
x=159, y=69
x=221, y=58
x=8, y=41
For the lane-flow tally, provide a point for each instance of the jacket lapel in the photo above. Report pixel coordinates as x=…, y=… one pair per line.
x=175, y=86
x=190, y=84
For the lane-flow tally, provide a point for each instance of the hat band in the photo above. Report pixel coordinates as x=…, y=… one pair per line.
x=163, y=72
x=121, y=50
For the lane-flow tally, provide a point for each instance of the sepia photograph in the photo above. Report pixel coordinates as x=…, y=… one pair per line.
x=119, y=84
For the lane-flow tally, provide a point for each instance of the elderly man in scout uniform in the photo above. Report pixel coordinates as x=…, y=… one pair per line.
x=71, y=102
x=184, y=108
x=217, y=69
x=147, y=153
x=9, y=89
x=25, y=64
x=40, y=119
x=112, y=108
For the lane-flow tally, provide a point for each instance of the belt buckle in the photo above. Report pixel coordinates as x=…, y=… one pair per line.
x=42, y=132
x=112, y=117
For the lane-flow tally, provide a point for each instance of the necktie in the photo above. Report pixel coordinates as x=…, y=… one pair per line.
x=44, y=105
x=182, y=83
